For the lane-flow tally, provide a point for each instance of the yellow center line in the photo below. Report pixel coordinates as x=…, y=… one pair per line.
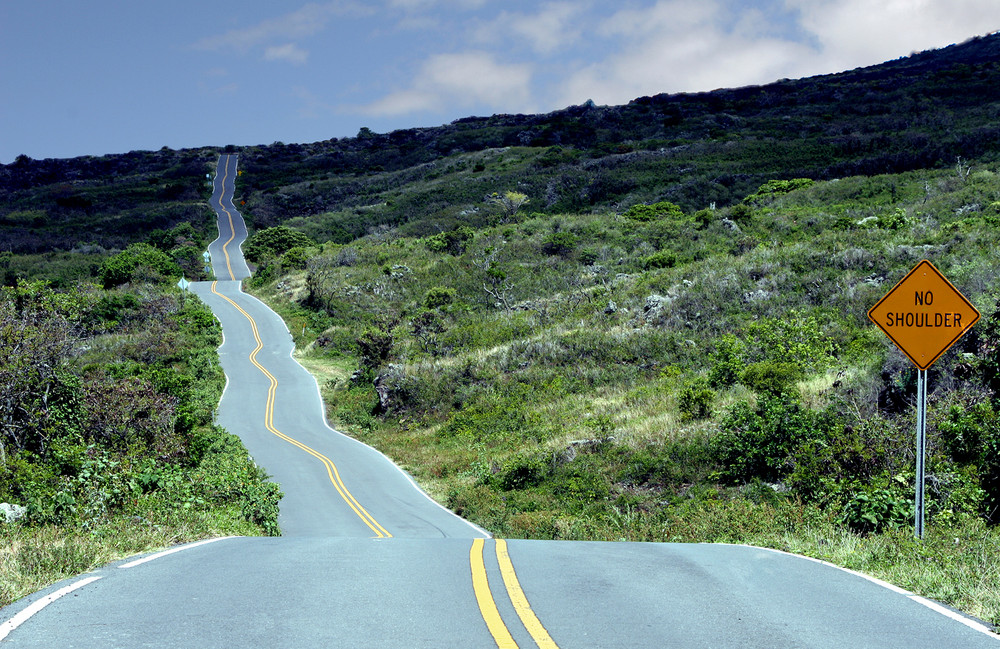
x=487, y=605
x=331, y=468
x=520, y=602
x=232, y=230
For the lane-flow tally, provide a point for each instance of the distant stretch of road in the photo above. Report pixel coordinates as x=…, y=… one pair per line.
x=367, y=560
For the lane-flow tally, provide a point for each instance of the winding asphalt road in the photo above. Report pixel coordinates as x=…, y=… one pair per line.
x=367, y=560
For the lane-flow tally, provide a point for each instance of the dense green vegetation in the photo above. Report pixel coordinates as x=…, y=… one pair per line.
x=106, y=433
x=60, y=219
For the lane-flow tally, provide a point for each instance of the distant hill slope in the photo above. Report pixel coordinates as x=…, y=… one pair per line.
x=921, y=111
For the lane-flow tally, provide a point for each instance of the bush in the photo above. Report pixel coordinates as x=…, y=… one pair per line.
x=559, y=243
x=273, y=242
x=588, y=256
x=520, y=472
x=873, y=511
x=774, y=188
x=140, y=261
x=374, y=348
x=728, y=360
x=297, y=258
x=654, y=212
x=741, y=213
x=453, y=242
x=662, y=259
x=990, y=476
x=695, y=400
x=438, y=297
x=758, y=441
x=771, y=378
x=794, y=338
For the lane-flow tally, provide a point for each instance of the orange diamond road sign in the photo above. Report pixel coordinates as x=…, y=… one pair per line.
x=924, y=314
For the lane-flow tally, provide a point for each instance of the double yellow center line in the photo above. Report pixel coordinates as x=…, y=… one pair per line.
x=488, y=607
x=331, y=468
x=232, y=229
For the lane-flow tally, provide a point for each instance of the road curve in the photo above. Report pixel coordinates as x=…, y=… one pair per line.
x=333, y=484
x=367, y=560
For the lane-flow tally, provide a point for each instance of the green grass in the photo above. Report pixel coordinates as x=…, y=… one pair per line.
x=33, y=557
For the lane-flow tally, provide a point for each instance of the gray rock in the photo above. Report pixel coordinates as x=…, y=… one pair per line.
x=10, y=513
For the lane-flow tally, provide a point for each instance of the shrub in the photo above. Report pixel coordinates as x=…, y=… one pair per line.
x=140, y=261
x=662, y=259
x=695, y=400
x=794, y=338
x=588, y=256
x=453, y=241
x=654, y=212
x=758, y=441
x=862, y=453
x=273, y=242
x=874, y=510
x=520, y=472
x=559, y=243
x=438, y=297
x=771, y=378
x=774, y=188
x=990, y=475
x=728, y=360
x=741, y=213
x=374, y=348
x=297, y=258
x=704, y=218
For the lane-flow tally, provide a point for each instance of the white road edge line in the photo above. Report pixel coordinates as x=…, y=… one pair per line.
x=39, y=604
x=934, y=606
x=958, y=617
x=137, y=562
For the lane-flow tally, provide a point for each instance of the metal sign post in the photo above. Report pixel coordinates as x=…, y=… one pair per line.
x=918, y=513
x=924, y=315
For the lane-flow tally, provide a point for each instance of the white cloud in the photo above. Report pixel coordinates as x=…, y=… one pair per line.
x=416, y=5
x=551, y=28
x=310, y=19
x=461, y=79
x=694, y=45
x=682, y=46
x=289, y=52
x=860, y=32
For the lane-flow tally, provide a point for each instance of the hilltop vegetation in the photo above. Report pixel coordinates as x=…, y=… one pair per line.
x=59, y=219
x=918, y=112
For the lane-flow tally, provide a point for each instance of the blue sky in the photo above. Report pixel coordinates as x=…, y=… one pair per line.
x=101, y=76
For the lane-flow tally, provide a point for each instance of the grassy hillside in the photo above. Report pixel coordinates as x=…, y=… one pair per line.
x=59, y=219
x=659, y=374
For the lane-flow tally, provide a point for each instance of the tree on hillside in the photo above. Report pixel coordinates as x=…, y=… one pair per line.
x=138, y=262
x=507, y=204
x=274, y=242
